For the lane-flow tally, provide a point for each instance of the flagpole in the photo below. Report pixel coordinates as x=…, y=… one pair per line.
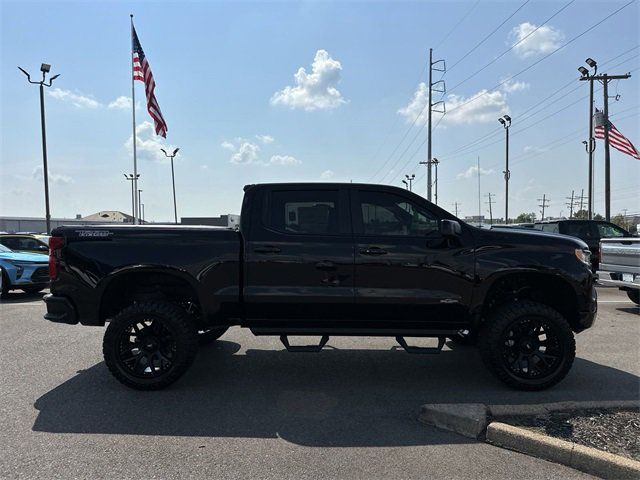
x=133, y=111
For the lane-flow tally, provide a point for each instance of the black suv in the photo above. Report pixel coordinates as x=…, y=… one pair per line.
x=590, y=231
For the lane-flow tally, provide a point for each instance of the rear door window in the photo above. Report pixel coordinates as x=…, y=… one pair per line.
x=305, y=212
x=550, y=227
x=582, y=230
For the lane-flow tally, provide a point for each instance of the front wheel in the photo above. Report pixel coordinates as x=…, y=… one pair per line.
x=150, y=345
x=634, y=296
x=527, y=345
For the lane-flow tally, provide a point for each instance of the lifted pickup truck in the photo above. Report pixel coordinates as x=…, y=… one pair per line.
x=319, y=260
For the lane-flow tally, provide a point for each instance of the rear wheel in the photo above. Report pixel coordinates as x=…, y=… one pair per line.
x=634, y=296
x=150, y=345
x=527, y=345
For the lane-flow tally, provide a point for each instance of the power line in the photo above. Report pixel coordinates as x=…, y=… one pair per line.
x=458, y=24
x=508, y=79
x=495, y=59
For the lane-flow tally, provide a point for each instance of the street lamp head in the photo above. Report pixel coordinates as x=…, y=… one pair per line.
x=583, y=71
x=45, y=68
x=164, y=151
x=53, y=78
x=175, y=151
x=501, y=120
x=591, y=62
x=507, y=118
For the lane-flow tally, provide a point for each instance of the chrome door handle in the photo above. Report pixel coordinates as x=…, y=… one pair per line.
x=373, y=251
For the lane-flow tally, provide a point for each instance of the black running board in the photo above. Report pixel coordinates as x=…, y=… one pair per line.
x=304, y=348
x=421, y=350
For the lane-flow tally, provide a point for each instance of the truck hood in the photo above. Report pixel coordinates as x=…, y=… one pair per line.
x=533, y=237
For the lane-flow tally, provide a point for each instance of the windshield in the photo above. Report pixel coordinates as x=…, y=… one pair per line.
x=4, y=249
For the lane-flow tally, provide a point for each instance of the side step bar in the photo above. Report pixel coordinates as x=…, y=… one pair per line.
x=325, y=338
x=304, y=348
x=421, y=350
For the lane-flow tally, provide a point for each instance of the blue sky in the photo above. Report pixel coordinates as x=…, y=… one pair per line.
x=226, y=86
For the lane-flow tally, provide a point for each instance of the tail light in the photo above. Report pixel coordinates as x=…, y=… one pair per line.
x=55, y=245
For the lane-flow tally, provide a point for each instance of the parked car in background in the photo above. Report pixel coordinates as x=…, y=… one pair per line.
x=28, y=272
x=590, y=231
x=513, y=225
x=20, y=242
x=620, y=265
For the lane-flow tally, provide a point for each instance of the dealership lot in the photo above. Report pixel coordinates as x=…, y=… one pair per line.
x=249, y=409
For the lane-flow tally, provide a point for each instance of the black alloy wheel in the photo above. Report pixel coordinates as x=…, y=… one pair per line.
x=527, y=345
x=148, y=346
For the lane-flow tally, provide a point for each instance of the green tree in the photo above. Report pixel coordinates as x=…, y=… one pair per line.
x=526, y=218
x=581, y=215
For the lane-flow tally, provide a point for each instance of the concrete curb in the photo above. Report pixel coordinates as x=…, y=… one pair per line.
x=585, y=459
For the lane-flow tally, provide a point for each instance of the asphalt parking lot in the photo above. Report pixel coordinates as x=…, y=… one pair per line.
x=249, y=409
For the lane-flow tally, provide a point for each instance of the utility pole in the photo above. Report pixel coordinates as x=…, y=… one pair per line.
x=604, y=79
x=479, y=200
x=44, y=68
x=581, y=198
x=140, y=203
x=505, y=120
x=433, y=66
x=490, y=202
x=456, y=205
x=436, y=162
x=544, y=204
x=570, y=205
x=132, y=178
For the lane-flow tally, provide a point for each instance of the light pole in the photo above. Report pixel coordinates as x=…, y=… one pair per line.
x=141, y=219
x=406, y=184
x=44, y=68
x=173, y=182
x=131, y=177
x=410, y=179
x=591, y=142
x=436, y=162
x=505, y=120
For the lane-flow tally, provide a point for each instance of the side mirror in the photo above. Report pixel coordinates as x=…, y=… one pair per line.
x=450, y=228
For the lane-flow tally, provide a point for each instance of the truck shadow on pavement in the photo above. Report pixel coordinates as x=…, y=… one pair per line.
x=333, y=398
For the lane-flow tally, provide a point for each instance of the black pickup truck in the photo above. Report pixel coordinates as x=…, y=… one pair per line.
x=321, y=259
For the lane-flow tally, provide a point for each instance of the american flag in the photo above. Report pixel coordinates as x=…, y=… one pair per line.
x=617, y=140
x=142, y=72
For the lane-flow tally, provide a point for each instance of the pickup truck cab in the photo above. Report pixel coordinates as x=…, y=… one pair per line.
x=319, y=260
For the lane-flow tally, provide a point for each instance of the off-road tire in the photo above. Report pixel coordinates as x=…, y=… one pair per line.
x=183, y=339
x=634, y=296
x=493, y=346
x=210, y=335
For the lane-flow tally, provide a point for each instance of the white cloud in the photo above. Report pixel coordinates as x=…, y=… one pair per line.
x=533, y=149
x=247, y=152
x=55, y=178
x=266, y=139
x=148, y=144
x=284, y=160
x=326, y=175
x=472, y=172
x=121, y=103
x=510, y=86
x=481, y=107
x=316, y=90
x=76, y=99
x=529, y=42
x=228, y=146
